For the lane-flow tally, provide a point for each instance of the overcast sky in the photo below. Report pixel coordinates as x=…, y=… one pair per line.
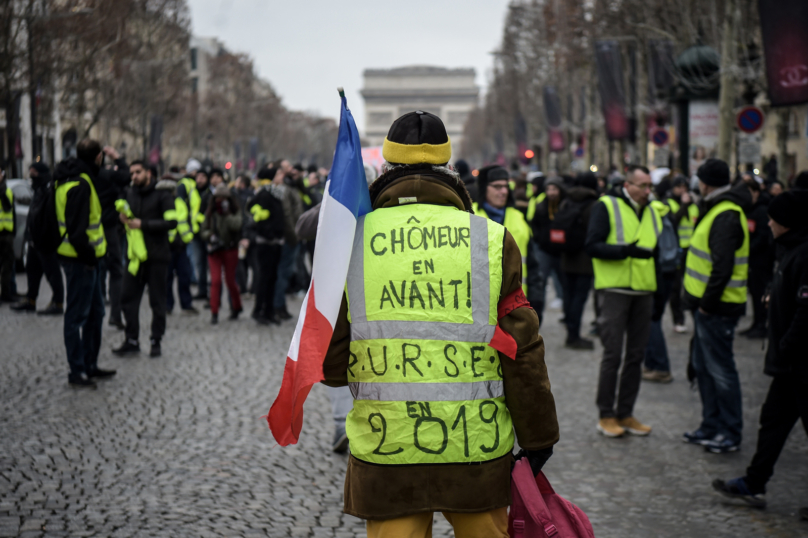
x=306, y=48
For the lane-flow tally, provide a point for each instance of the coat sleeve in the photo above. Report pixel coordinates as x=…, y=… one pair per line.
x=527, y=384
x=792, y=344
x=335, y=364
x=161, y=224
x=306, y=227
x=597, y=233
x=726, y=236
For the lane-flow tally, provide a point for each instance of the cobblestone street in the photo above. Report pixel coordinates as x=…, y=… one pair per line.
x=177, y=446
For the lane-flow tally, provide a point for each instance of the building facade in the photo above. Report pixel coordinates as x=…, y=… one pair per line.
x=389, y=93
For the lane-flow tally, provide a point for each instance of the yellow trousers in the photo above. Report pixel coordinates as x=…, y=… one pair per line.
x=493, y=524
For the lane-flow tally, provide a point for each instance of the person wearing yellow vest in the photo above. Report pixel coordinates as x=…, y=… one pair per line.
x=148, y=213
x=435, y=405
x=497, y=204
x=8, y=229
x=78, y=212
x=180, y=238
x=684, y=214
x=199, y=193
x=716, y=271
x=622, y=240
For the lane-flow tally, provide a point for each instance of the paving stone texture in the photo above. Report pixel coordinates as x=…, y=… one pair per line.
x=178, y=447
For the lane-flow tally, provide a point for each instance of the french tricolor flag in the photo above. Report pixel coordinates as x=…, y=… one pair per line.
x=346, y=199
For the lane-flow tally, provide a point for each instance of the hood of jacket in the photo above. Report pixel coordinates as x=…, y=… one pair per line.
x=425, y=188
x=581, y=194
x=167, y=185
x=70, y=168
x=738, y=194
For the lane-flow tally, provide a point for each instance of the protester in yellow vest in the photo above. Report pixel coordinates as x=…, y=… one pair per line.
x=684, y=214
x=148, y=213
x=436, y=406
x=497, y=205
x=78, y=212
x=716, y=270
x=179, y=238
x=8, y=229
x=622, y=240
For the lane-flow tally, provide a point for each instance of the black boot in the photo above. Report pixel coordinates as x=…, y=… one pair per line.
x=155, y=350
x=234, y=314
x=128, y=348
x=283, y=314
x=98, y=373
x=214, y=319
x=81, y=381
x=24, y=305
x=53, y=309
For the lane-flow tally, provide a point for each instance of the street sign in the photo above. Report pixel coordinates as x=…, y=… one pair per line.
x=750, y=119
x=749, y=149
x=659, y=136
x=662, y=156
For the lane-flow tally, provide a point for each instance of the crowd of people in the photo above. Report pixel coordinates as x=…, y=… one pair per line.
x=700, y=245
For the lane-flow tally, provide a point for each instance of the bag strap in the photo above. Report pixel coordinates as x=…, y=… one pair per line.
x=528, y=487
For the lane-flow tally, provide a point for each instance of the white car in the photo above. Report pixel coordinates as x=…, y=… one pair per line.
x=23, y=194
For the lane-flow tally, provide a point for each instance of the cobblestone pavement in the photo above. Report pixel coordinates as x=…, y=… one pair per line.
x=177, y=446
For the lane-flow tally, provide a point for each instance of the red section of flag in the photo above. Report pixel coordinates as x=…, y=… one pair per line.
x=286, y=414
x=504, y=343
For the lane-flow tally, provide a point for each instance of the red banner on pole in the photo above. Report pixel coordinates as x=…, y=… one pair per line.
x=783, y=26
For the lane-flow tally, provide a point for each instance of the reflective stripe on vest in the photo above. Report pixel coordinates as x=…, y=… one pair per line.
x=7, y=217
x=625, y=228
x=194, y=202
x=699, y=264
x=95, y=230
x=422, y=288
x=515, y=223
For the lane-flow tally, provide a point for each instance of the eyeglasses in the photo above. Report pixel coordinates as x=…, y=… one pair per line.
x=498, y=186
x=642, y=186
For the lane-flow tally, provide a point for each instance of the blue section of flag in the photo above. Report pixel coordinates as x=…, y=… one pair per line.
x=348, y=184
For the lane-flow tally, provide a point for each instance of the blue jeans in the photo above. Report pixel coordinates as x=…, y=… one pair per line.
x=656, y=352
x=719, y=385
x=549, y=264
x=84, y=316
x=285, y=268
x=181, y=265
x=201, y=265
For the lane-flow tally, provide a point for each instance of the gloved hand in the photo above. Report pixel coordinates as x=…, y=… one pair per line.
x=633, y=251
x=536, y=458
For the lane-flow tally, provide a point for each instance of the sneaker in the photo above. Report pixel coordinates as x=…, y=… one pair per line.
x=610, y=428
x=53, y=309
x=340, y=444
x=756, y=333
x=737, y=489
x=697, y=437
x=214, y=319
x=556, y=303
x=580, y=343
x=155, y=350
x=128, y=348
x=634, y=426
x=721, y=445
x=234, y=315
x=98, y=373
x=200, y=297
x=656, y=376
x=24, y=305
x=681, y=329
x=118, y=324
x=81, y=381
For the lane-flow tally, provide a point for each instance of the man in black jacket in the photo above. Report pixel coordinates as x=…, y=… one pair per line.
x=152, y=204
x=715, y=291
x=268, y=233
x=761, y=254
x=110, y=185
x=786, y=358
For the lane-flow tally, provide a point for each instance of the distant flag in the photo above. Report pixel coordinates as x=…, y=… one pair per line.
x=346, y=198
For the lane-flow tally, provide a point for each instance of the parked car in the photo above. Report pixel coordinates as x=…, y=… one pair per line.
x=23, y=194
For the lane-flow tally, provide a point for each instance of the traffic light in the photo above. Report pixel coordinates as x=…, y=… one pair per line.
x=228, y=165
x=529, y=154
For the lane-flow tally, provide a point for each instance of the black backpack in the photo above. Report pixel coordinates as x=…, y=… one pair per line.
x=43, y=226
x=567, y=229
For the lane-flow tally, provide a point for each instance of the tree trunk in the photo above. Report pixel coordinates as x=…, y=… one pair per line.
x=726, y=101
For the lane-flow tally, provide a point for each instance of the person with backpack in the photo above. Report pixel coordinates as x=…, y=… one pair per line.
x=549, y=242
x=656, y=366
x=78, y=214
x=684, y=213
x=622, y=240
x=573, y=220
x=8, y=229
x=39, y=262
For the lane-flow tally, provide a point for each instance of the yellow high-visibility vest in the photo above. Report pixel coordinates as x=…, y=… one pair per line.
x=194, y=202
x=625, y=227
x=687, y=223
x=7, y=217
x=423, y=288
x=699, y=264
x=95, y=230
x=515, y=223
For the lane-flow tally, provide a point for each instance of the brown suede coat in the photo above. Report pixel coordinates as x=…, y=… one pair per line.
x=375, y=491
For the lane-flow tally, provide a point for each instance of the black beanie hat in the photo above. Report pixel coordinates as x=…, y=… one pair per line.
x=789, y=209
x=41, y=168
x=714, y=172
x=801, y=181
x=588, y=180
x=417, y=138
